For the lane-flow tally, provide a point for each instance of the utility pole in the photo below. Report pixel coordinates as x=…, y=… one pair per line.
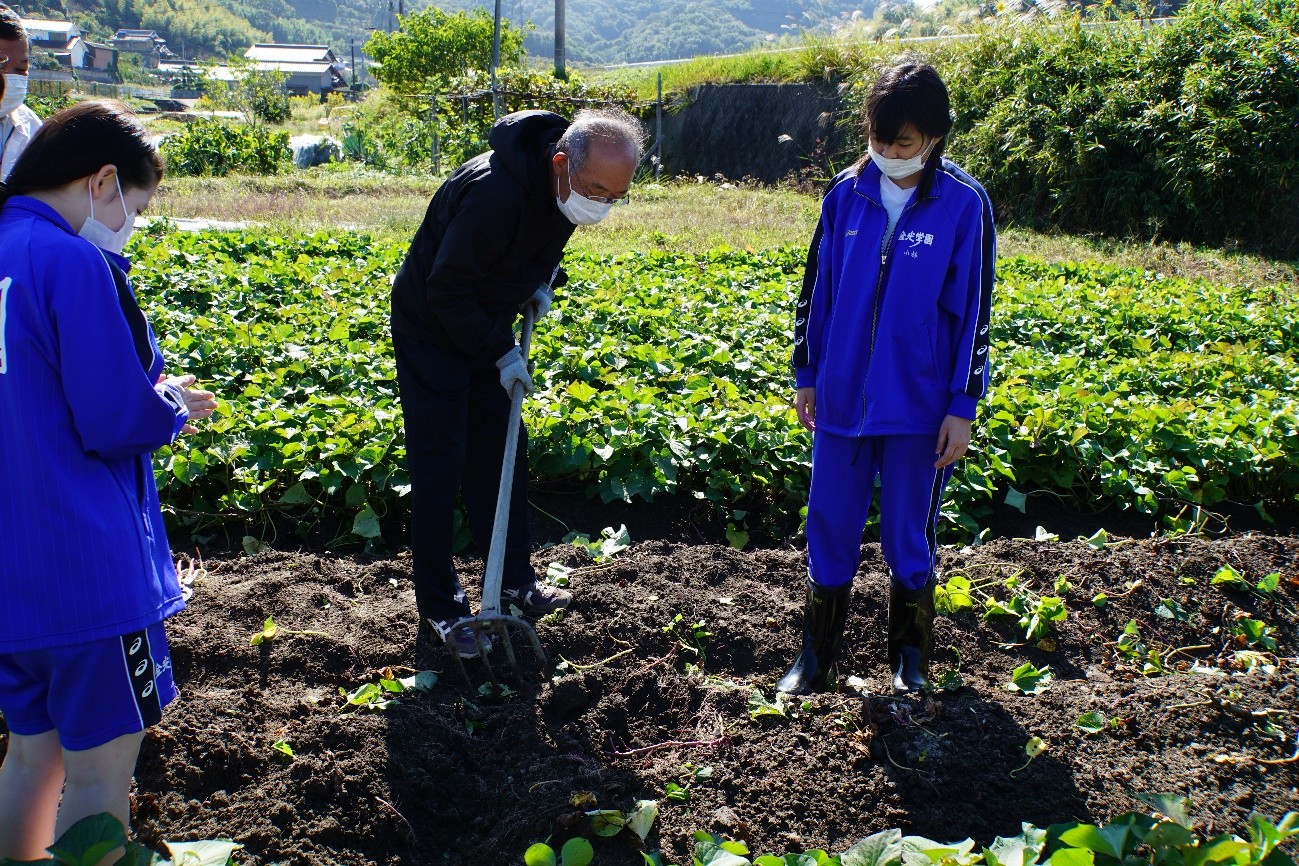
x=560, y=72
x=354, y=63
x=658, y=128
x=496, y=61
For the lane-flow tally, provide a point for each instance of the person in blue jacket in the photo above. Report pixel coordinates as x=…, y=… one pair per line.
x=86, y=577
x=890, y=360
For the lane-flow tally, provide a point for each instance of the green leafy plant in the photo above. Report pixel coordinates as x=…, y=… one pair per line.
x=610, y=543
x=675, y=793
x=759, y=706
x=1098, y=407
x=1148, y=659
x=380, y=695
x=1027, y=679
x=258, y=94
x=1036, y=613
x=690, y=637
x=1034, y=747
x=1092, y=723
x=1164, y=837
x=212, y=148
x=605, y=823
x=91, y=839
x=575, y=852
x=1255, y=633
x=271, y=630
x=433, y=45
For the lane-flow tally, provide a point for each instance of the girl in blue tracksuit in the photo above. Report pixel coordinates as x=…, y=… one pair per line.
x=890, y=359
x=86, y=578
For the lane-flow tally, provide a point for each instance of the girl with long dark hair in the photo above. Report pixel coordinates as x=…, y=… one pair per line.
x=890, y=359
x=86, y=577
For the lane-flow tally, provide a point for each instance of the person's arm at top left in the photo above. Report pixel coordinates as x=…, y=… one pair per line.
x=115, y=409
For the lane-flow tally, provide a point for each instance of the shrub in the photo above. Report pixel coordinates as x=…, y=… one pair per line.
x=1161, y=132
x=406, y=131
x=47, y=105
x=212, y=148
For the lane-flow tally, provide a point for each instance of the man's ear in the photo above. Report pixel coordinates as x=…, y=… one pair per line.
x=559, y=162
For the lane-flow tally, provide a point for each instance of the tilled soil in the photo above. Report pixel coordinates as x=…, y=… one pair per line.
x=453, y=776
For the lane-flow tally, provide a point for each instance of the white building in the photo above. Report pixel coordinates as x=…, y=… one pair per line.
x=307, y=68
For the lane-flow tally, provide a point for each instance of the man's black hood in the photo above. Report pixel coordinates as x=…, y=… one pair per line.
x=521, y=143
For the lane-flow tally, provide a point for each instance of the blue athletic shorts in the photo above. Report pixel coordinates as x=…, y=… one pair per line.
x=90, y=693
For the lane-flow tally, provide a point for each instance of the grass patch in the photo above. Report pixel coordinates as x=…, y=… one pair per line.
x=1184, y=260
x=752, y=67
x=384, y=204
x=686, y=217
x=674, y=216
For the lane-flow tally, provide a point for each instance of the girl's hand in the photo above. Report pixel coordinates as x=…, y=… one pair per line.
x=805, y=403
x=201, y=404
x=953, y=440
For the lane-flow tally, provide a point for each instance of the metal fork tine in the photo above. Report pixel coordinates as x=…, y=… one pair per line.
x=491, y=673
x=509, y=649
x=460, y=663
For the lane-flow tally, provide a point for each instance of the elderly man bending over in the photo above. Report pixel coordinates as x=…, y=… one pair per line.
x=490, y=244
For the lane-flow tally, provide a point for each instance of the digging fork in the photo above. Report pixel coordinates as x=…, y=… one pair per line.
x=490, y=623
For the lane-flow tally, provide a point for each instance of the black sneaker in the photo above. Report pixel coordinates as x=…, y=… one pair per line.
x=461, y=639
x=538, y=599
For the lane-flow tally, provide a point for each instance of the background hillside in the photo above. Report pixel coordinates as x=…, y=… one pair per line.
x=599, y=31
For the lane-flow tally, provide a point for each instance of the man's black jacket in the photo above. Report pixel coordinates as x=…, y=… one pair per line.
x=491, y=236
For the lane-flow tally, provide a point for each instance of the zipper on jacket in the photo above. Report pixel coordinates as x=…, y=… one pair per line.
x=885, y=247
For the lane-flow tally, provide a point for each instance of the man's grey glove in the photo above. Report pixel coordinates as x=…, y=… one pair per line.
x=540, y=301
x=514, y=371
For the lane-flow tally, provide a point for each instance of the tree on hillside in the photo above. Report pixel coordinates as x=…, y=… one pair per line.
x=433, y=46
x=684, y=28
x=205, y=29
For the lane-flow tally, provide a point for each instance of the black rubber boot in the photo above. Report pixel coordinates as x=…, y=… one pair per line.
x=911, y=632
x=826, y=613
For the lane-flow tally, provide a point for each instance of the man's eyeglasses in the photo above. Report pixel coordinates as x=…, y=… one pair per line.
x=598, y=199
x=604, y=199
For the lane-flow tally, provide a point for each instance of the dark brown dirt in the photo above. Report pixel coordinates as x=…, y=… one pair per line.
x=452, y=777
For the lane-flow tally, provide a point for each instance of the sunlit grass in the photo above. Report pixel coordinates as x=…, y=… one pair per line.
x=678, y=216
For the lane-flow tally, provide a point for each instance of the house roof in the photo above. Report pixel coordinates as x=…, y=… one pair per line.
x=291, y=68
x=124, y=34
x=225, y=73
x=47, y=26
x=286, y=53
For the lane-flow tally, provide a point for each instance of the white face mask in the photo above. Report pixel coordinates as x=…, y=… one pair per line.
x=15, y=94
x=579, y=209
x=900, y=168
x=101, y=235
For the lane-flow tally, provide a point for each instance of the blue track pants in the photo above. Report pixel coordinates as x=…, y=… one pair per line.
x=843, y=482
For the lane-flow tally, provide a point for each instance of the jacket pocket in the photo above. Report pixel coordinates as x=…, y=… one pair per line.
x=931, y=347
x=916, y=353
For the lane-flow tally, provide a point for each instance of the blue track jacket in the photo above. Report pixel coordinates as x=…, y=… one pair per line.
x=896, y=338
x=83, y=554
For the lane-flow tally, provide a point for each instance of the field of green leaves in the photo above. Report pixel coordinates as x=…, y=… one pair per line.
x=1110, y=386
